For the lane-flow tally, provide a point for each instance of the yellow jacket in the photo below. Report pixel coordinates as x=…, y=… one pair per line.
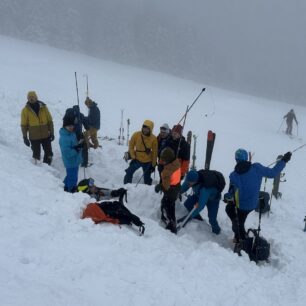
x=39, y=127
x=139, y=143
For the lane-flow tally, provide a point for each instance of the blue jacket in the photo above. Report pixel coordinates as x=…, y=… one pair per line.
x=93, y=119
x=245, y=182
x=70, y=156
x=204, y=195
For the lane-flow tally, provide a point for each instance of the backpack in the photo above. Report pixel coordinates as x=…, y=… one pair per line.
x=212, y=178
x=263, y=202
x=258, y=248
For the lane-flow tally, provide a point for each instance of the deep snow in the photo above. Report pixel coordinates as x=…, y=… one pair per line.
x=51, y=257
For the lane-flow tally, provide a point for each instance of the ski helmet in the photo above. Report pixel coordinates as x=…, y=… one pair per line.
x=241, y=155
x=192, y=176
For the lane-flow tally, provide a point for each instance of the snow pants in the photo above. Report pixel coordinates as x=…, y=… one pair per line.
x=238, y=218
x=212, y=208
x=71, y=179
x=46, y=145
x=135, y=165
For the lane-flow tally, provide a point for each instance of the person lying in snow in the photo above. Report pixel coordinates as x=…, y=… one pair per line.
x=88, y=186
x=114, y=212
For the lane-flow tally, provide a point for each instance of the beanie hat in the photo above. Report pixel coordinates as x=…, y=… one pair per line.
x=88, y=101
x=165, y=127
x=32, y=94
x=68, y=120
x=177, y=129
x=241, y=155
x=192, y=176
x=167, y=155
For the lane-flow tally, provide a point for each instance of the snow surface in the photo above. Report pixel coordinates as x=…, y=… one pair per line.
x=49, y=256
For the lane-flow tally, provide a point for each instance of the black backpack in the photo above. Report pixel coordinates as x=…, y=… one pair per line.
x=258, y=248
x=212, y=179
x=263, y=202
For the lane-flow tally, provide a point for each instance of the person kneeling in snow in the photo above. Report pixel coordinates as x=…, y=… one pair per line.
x=207, y=186
x=114, y=212
x=170, y=185
x=88, y=186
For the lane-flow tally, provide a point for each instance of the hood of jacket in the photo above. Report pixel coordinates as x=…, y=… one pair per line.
x=149, y=124
x=243, y=167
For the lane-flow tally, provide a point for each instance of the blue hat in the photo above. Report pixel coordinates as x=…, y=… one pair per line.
x=192, y=176
x=241, y=155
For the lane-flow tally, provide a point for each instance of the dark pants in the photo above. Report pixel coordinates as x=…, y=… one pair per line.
x=46, y=144
x=168, y=203
x=135, y=165
x=84, y=156
x=289, y=127
x=212, y=209
x=238, y=218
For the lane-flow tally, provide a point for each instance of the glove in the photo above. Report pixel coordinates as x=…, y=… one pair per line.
x=51, y=137
x=152, y=169
x=126, y=156
x=79, y=146
x=287, y=157
x=26, y=141
x=158, y=188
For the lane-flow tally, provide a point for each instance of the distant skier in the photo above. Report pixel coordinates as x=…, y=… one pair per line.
x=181, y=148
x=243, y=194
x=92, y=123
x=207, y=187
x=143, y=153
x=36, y=121
x=289, y=120
x=170, y=186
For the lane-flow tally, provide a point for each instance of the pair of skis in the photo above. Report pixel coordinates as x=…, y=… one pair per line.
x=211, y=136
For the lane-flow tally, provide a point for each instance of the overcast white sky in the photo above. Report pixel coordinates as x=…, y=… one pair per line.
x=256, y=47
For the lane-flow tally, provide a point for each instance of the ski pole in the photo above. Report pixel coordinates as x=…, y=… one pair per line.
x=296, y=149
x=280, y=125
x=128, y=132
x=305, y=224
x=87, y=90
x=183, y=223
x=179, y=144
x=189, y=108
x=77, y=88
x=144, y=172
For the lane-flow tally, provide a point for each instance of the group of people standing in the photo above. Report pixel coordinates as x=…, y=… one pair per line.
x=38, y=131
x=169, y=152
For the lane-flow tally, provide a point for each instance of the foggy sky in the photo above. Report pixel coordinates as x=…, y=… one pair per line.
x=257, y=47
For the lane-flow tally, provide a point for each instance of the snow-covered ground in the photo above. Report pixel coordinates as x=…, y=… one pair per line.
x=49, y=256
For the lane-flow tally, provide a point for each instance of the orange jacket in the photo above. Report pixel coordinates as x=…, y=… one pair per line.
x=97, y=215
x=171, y=174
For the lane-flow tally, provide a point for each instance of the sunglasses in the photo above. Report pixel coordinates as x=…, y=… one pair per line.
x=145, y=127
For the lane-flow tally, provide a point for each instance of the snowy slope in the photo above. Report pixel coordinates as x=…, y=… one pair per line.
x=51, y=257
